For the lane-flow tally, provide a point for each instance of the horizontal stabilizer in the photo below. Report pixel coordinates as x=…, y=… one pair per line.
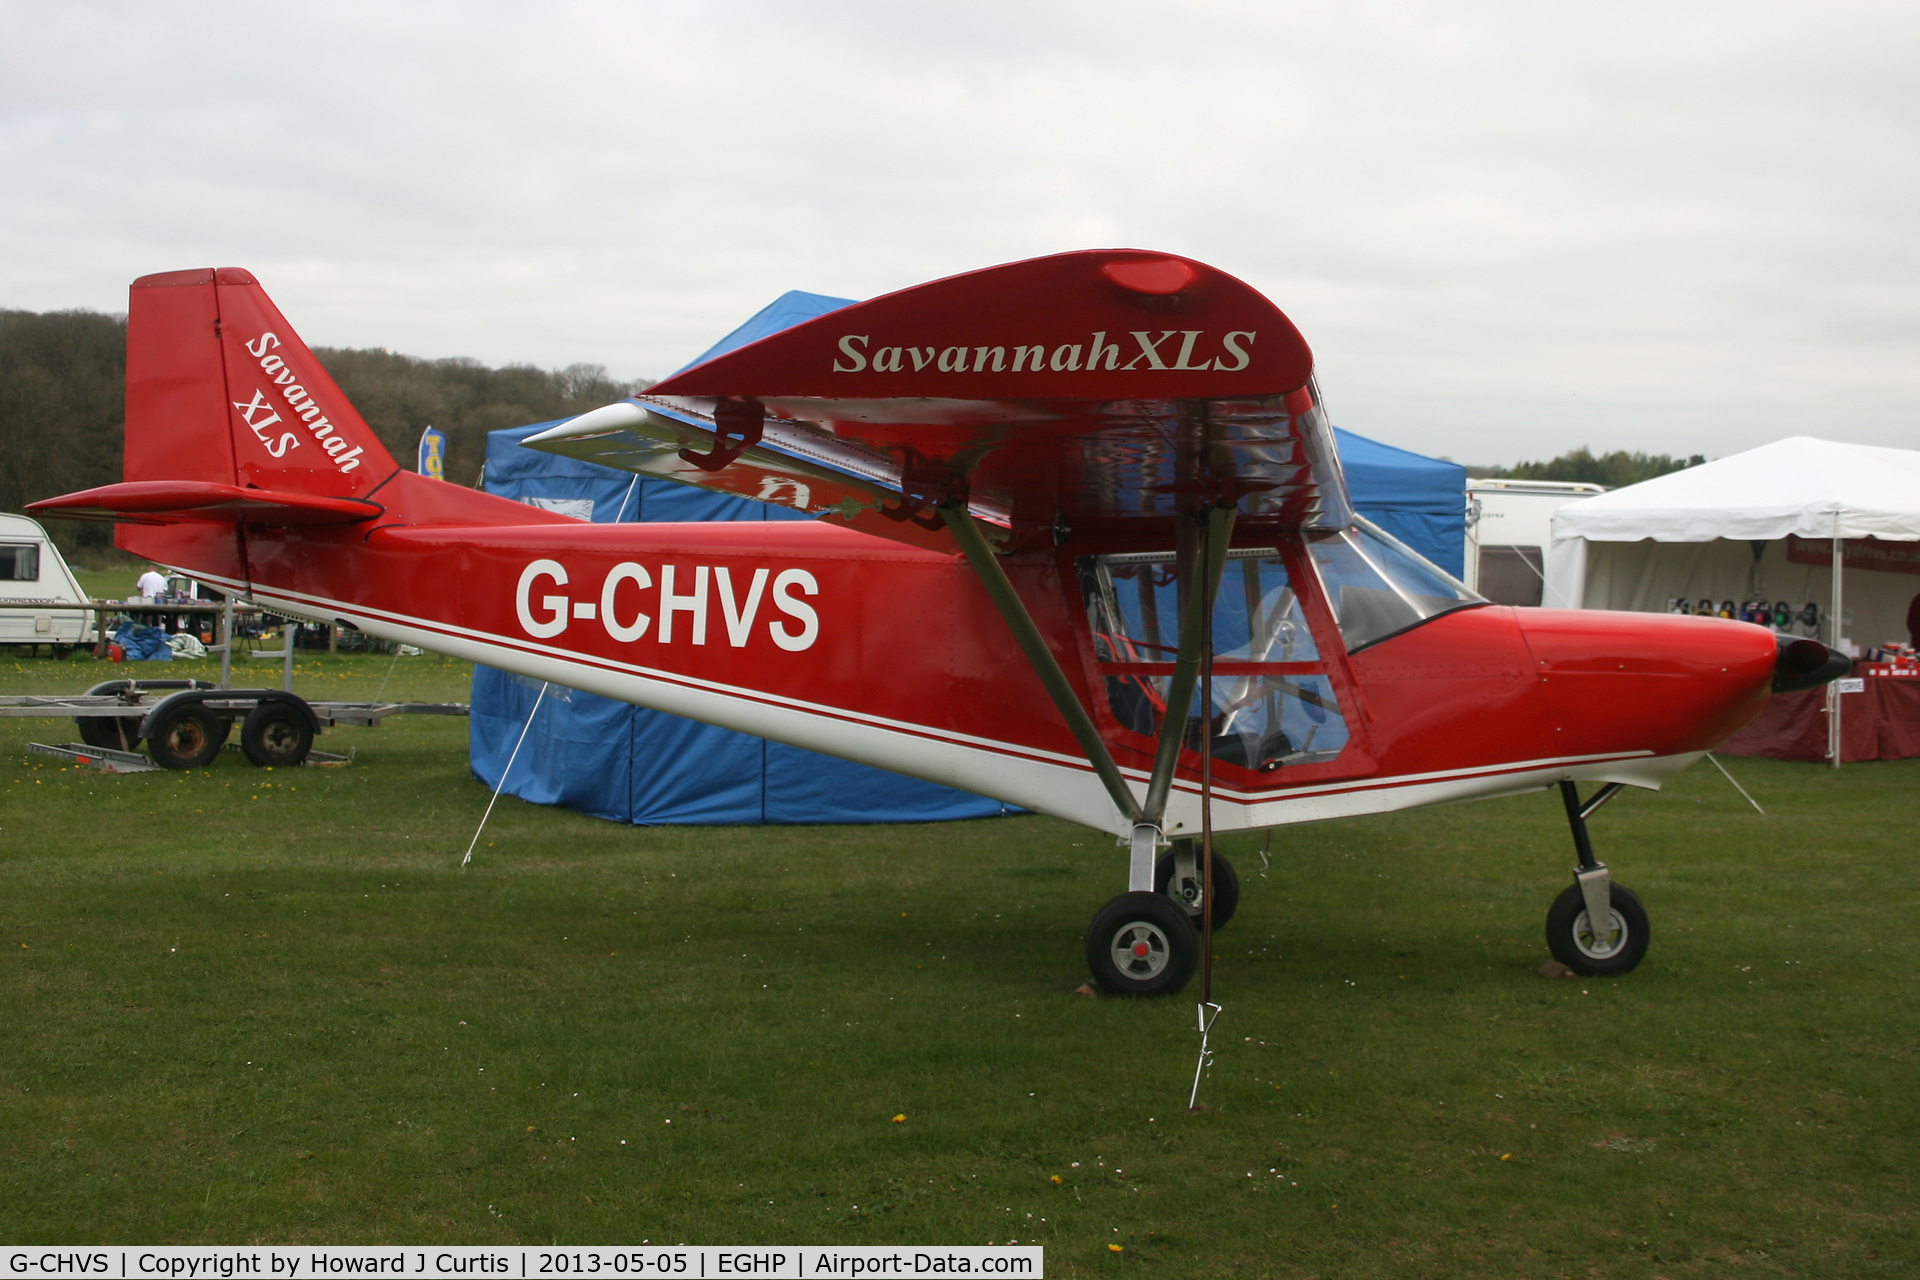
x=174, y=501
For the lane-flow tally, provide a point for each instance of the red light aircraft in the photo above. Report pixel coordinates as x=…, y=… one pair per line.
x=1082, y=543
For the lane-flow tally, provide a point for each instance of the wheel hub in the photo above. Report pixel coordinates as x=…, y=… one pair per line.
x=1604, y=946
x=1140, y=950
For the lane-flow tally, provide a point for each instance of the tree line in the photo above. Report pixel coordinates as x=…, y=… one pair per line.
x=62, y=399
x=1610, y=469
x=62, y=404
x=63, y=393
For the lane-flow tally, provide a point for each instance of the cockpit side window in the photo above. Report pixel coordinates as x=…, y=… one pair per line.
x=1256, y=618
x=1271, y=702
x=1378, y=587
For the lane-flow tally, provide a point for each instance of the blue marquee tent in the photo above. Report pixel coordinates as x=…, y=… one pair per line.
x=633, y=765
x=1419, y=500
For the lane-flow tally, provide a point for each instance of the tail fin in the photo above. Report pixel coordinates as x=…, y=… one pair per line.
x=223, y=395
x=233, y=425
x=221, y=389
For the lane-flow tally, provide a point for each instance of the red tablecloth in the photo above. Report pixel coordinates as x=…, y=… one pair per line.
x=1882, y=722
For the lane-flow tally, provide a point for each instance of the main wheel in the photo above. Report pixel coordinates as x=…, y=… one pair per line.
x=185, y=737
x=1141, y=944
x=276, y=733
x=1190, y=893
x=1576, y=944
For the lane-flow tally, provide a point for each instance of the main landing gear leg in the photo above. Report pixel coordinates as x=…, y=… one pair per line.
x=1179, y=877
x=1142, y=942
x=1619, y=941
x=1125, y=939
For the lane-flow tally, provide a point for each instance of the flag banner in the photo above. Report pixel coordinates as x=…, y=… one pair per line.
x=433, y=454
x=1859, y=553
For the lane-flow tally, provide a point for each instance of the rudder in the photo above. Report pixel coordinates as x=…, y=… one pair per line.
x=288, y=427
x=221, y=389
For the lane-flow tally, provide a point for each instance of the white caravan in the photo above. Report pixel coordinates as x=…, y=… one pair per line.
x=33, y=573
x=1509, y=528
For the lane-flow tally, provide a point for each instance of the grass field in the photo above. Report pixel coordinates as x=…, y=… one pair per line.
x=270, y=1006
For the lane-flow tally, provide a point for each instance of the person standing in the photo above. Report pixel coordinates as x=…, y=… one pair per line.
x=152, y=583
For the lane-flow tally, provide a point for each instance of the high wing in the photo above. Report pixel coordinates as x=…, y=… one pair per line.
x=1099, y=392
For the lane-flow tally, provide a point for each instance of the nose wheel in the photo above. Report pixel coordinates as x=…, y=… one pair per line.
x=1595, y=927
x=1141, y=944
x=1598, y=952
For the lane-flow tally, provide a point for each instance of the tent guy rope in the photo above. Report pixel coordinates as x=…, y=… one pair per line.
x=1736, y=786
x=538, y=699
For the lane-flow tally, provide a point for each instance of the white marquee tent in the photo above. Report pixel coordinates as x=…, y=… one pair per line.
x=1721, y=532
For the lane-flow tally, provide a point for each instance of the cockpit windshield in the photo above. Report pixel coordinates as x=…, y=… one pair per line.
x=1378, y=587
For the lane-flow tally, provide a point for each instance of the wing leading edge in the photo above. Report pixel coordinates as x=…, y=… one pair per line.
x=1098, y=391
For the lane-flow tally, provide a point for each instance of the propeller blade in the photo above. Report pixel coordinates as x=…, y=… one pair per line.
x=1806, y=664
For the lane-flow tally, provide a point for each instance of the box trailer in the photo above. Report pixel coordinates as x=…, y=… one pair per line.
x=1509, y=527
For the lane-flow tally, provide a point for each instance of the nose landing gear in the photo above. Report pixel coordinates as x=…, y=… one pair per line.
x=1595, y=927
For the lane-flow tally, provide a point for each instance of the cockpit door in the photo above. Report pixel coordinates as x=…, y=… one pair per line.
x=1281, y=709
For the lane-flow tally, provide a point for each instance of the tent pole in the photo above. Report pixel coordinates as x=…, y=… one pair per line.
x=1833, y=687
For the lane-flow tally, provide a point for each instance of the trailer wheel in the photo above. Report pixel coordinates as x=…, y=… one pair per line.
x=114, y=733
x=276, y=733
x=185, y=737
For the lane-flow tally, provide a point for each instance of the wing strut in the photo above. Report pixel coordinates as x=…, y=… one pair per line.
x=1208, y=555
x=994, y=578
x=1200, y=558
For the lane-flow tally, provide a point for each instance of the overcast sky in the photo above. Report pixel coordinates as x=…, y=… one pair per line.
x=1507, y=229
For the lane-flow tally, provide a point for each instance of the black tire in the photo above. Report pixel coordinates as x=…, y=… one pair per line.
x=1226, y=899
x=276, y=733
x=1571, y=941
x=185, y=737
x=122, y=733
x=1141, y=944
x=115, y=733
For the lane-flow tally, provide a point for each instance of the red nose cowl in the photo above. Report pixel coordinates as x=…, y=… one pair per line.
x=1647, y=681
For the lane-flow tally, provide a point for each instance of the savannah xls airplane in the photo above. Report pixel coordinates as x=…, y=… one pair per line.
x=1081, y=543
